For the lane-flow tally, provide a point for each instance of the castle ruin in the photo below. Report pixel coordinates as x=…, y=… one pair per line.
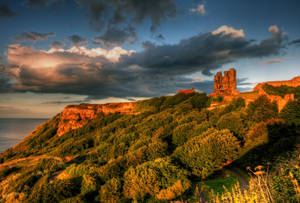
x=225, y=85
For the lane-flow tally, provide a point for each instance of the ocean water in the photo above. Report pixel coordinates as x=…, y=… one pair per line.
x=13, y=130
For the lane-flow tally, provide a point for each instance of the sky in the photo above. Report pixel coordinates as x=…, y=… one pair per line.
x=59, y=52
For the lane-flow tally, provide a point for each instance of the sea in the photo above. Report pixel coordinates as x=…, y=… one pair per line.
x=13, y=130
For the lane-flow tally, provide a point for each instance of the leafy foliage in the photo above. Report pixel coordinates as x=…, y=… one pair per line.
x=290, y=112
x=207, y=152
x=281, y=90
x=154, y=155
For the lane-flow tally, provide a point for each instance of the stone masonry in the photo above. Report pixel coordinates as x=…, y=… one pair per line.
x=225, y=85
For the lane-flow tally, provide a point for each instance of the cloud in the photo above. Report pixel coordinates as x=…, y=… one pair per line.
x=197, y=79
x=111, y=18
x=154, y=71
x=130, y=11
x=57, y=44
x=117, y=37
x=22, y=56
x=273, y=29
x=65, y=102
x=5, y=79
x=199, y=9
x=6, y=12
x=33, y=36
x=13, y=112
x=160, y=37
x=226, y=30
x=76, y=40
x=296, y=41
x=41, y=3
x=266, y=62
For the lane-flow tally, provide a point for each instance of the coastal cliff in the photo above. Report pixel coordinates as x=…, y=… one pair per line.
x=76, y=116
x=295, y=82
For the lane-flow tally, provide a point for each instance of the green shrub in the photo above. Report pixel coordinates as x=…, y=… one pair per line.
x=233, y=121
x=60, y=190
x=281, y=90
x=153, y=178
x=88, y=185
x=111, y=191
x=205, y=153
x=261, y=109
x=290, y=112
x=182, y=133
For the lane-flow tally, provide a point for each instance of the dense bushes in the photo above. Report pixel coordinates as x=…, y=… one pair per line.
x=207, y=152
x=261, y=109
x=152, y=156
x=158, y=178
x=282, y=90
x=290, y=112
x=234, y=122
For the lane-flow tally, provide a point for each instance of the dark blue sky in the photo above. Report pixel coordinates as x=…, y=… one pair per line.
x=136, y=49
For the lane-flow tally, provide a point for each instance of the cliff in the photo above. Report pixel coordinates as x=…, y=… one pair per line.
x=295, y=82
x=76, y=116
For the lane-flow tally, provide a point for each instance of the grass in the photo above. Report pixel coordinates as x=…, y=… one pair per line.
x=217, y=185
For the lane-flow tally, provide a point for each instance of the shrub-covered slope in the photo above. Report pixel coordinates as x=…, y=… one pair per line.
x=156, y=155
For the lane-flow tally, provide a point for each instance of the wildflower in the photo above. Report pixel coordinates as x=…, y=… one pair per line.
x=260, y=167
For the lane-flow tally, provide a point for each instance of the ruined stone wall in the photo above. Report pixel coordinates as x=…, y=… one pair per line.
x=295, y=82
x=225, y=85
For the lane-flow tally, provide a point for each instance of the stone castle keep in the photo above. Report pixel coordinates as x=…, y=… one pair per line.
x=225, y=85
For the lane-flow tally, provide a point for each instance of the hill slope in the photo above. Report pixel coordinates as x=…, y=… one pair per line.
x=156, y=150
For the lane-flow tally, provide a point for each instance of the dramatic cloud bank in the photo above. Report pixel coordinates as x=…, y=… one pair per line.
x=33, y=36
x=156, y=70
x=117, y=37
x=112, y=18
x=76, y=40
x=6, y=12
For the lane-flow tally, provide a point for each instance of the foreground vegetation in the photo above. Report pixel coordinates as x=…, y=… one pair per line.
x=161, y=154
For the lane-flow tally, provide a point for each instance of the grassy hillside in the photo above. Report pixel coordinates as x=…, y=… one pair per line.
x=160, y=154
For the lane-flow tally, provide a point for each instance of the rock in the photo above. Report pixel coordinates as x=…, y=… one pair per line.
x=76, y=116
x=295, y=82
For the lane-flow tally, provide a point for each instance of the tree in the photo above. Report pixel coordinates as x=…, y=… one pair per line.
x=291, y=112
x=207, y=152
x=154, y=178
x=233, y=121
x=262, y=109
x=111, y=191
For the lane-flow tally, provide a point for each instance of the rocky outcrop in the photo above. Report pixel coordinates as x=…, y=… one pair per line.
x=281, y=102
x=225, y=85
x=76, y=116
x=295, y=82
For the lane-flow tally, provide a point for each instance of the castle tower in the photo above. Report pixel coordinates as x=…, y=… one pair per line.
x=218, y=81
x=225, y=85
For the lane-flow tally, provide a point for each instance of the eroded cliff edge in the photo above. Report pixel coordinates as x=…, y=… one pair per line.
x=76, y=116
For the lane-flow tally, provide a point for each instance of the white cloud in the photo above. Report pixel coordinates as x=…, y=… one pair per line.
x=226, y=30
x=30, y=57
x=199, y=9
x=265, y=62
x=273, y=29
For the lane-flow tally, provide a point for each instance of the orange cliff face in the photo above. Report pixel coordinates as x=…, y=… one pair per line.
x=281, y=102
x=76, y=116
x=295, y=82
